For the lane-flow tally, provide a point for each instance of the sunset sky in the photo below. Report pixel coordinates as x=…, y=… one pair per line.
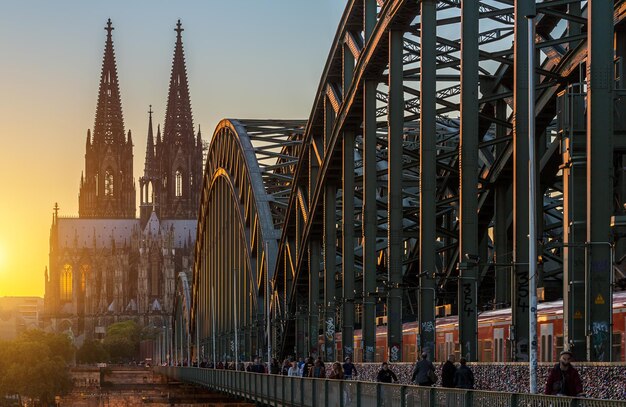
x=245, y=59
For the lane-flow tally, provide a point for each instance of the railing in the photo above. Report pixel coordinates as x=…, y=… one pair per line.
x=276, y=390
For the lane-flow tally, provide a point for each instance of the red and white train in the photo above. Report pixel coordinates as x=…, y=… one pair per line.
x=493, y=335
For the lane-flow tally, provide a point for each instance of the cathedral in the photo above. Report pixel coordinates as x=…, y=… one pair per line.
x=107, y=265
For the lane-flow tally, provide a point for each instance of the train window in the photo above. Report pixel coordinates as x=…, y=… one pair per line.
x=449, y=344
x=498, y=339
x=486, y=353
x=547, y=330
x=617, y=346
x=409, y=353
x=559, y=344
x=380, y=354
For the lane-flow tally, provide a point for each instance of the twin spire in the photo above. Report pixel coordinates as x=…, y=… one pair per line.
x=109, y=125
x=170, y=174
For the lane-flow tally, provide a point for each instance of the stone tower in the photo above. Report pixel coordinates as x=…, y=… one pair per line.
x=179, y=154
x=107, y=189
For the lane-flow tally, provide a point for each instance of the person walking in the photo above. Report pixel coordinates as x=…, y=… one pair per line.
x=293, y=370
x=447, y=372
x=386, y=375
x=349, y=370
x=317, y=370
x=336, y=372
x=464, y=377
x=564, y=379
x=274, y=366
x=424, y=372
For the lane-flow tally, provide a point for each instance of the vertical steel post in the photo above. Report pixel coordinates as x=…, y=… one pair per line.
x=314, y=294
x=600, y=73
x=347, y=237
x=504, y=207
x=369, y=18
x=468, y=163
x=394, y=196
x=370, y=223
x=532, y=203
x=519, y=296
x=330, y=244
x=347, y=219
x=330, y=260
x=428, y=176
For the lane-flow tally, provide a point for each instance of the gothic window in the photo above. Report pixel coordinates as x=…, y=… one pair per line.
x=84, y=270
x=179, y=183
x=149, y=192
x=108, y=182
x=66, y=283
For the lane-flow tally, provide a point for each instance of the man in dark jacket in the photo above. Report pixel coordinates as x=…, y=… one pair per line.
x=447, y=372
x=422, y=372
x=386, y=375
x=464, y=377
x=564, y=380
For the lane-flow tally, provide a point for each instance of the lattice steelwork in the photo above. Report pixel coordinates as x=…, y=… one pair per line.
x=247, y=179
x=408, y=187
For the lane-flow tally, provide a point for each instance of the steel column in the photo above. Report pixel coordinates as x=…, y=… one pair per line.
x=369, y=18
x=468, y=150
x=330, y=260
x=503, y=210
x=370, y=219
x=428, y=177
x=394, y=197
x=314, y=295
x=520, y=294
x=600, y=72
x=572, y=119
x=347, y=244
x=347, y=220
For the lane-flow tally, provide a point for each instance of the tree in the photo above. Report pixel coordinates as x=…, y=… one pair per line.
x=122, y=340
x=35, y=365
x=92, y=351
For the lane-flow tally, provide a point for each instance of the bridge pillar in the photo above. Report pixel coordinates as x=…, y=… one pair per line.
x=573, y=135
x=347, y=219
x=600, y=74
x=428, y=177
x=468, y=150
x=314, y=297
x=520, y=295
x=370, y=223
x=394, y=196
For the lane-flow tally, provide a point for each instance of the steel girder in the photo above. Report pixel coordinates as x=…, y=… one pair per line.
x=245, y=190
x=404, y=191
x=354, y=114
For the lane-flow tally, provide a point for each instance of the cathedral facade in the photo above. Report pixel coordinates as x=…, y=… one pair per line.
x=107, y=265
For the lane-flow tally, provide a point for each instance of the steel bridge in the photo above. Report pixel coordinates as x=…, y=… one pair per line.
x=408, y=187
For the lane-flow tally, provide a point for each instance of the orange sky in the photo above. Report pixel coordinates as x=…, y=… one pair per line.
x=245, y=59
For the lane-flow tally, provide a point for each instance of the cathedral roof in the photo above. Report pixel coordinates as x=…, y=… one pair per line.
x=153, y=226
x=86, y=233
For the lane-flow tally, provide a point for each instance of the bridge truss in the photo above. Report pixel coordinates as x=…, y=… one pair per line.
x=407, y=188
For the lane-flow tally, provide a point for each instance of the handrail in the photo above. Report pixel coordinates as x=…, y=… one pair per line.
x=278, y=390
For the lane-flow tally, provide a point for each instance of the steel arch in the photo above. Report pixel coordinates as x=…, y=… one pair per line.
x=406, y=188
x=246, y=181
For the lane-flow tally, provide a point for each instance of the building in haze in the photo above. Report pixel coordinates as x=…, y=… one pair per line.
x=18, y=314
x=107, y=265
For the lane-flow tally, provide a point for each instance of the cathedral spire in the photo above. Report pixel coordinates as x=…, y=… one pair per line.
x=109, y=125
x=149, y=164
x=108, y=190
x=178, y=119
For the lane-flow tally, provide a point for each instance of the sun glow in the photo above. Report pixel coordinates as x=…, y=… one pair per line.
x=3, y=258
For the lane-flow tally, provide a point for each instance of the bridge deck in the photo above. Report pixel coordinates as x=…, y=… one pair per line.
x=276, y=390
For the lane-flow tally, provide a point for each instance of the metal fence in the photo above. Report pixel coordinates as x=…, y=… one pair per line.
x=275, y=390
